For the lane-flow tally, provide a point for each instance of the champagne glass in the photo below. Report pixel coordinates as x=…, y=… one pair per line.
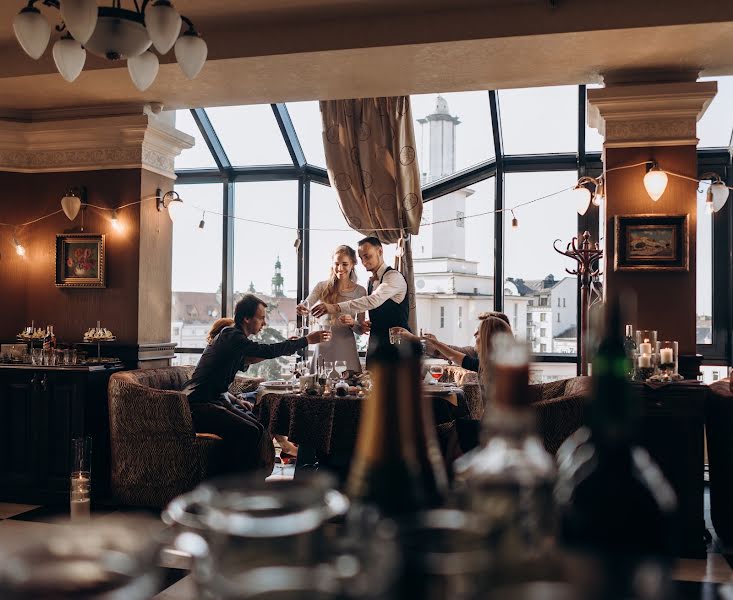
x=340, y=366
x=436, y=372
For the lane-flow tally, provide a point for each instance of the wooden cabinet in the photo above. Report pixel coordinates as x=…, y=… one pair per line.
x=672, y=431
x=41, y=410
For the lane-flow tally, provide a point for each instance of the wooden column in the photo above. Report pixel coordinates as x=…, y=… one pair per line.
x=643, y=122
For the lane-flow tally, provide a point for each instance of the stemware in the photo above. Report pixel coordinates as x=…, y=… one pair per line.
x=436, y=372
x=340, y=366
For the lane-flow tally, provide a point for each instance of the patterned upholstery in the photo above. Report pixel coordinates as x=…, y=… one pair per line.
x=559, y=404
x=155, y=453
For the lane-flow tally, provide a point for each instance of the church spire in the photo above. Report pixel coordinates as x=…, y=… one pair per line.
x=277, y=280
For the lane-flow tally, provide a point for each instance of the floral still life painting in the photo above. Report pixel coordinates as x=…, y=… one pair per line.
x=80, y=260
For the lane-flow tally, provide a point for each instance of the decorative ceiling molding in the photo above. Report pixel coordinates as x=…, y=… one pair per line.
x=650, y=114
x=131, y=141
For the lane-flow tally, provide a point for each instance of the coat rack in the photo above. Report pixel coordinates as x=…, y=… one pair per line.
x=586, y=256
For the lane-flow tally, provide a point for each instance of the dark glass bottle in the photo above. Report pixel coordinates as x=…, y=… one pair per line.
x=397, y=465
x=616, y=507
x=509, y=478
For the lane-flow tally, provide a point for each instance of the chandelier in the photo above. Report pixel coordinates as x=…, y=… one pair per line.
x=114, y=33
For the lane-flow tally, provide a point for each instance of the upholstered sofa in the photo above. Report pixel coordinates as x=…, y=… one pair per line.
x=559, y=404
x=155, y=452
x=719, y=428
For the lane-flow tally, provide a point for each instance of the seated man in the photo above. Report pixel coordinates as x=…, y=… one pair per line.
x=212, y=408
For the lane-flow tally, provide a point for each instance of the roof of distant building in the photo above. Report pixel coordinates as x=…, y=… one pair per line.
x=535, y=286
x=570, y=332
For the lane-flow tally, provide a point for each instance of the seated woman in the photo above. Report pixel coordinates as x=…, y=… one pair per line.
x=469, y=358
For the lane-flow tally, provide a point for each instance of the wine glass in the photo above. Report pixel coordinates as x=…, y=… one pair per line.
x=436, y=372
x=340, y=366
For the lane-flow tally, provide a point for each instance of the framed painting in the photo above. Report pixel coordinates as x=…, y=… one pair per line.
x=651, y=243
x=80, y=260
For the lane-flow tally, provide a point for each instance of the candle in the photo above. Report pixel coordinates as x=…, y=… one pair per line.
x=645, y=347
x=666, y=356
x=645, y=360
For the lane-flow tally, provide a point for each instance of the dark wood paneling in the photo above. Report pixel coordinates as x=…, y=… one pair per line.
x=666, y=301
x=32, y=294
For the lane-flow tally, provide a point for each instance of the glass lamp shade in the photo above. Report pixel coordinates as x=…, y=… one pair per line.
x=191, y=53
x=655, y=182
x=174, y=206
x=581, y=194
x=118, y=34
x=163, y=24
x=32, y=31
x=719, y=191
x=69, y=57
x=80, y=18
x=143, y=69
x=71, y=205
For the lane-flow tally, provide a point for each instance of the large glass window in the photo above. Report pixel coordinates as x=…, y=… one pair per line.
x=704, y=320
x=306, y=118
x=265, y=261
x=535, y=273
x=537, y=120
x=199, y=156
x=196, y=277
x=453, y=261
x=250, y=135
x=452, y=132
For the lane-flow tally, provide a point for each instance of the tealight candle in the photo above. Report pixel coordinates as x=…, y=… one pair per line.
x=645, y=360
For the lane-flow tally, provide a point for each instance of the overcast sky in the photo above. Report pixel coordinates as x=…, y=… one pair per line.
x=539, y=120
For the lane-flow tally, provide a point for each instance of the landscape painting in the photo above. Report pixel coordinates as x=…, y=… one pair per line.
x=651, y=243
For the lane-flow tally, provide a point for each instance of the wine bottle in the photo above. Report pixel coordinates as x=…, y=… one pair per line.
x=509, y=479
x=397, y=464
x=616, y=507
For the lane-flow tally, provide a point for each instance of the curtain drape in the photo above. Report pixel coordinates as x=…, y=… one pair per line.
x=372, y=164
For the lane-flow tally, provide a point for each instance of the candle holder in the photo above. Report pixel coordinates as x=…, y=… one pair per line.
x=647, y=357
x=81, y=480
x=668, y=353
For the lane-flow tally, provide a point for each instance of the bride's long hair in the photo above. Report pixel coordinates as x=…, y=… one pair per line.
x=329, y=293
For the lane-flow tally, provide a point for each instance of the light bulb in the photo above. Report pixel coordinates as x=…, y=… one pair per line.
x=32, y=31
x=19, y=248
x=515, y=222
x=71, y=203
x=202, y=222
x=719, y=192
x=582, y=198
x=655, y=182
x=163, y=24
x=116, y=222
x=174, y=205
x=709, y=206
x=600, y=193
x=191, y=52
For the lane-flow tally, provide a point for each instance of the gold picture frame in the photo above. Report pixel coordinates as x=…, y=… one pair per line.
x=651, y=243
x=80, y=260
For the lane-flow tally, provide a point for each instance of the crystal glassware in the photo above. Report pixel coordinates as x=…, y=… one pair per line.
x=80, y=481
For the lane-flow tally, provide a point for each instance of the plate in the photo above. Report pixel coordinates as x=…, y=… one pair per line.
x=276, y=384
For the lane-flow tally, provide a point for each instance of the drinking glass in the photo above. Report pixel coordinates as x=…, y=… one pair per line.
x=37, y=356
x=340, y=366
x=328, y=368
x=80, y=488
x=436, y=372
x=394, y=336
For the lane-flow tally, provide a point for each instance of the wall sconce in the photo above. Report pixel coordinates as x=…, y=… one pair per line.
x=655, y=181
x=72, y=201
x=174, y=202
x=717, y=193
x=583, y=195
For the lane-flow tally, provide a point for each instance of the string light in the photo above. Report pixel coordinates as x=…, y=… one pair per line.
x=115, y=221
x=655, y=182
x=515, y=221
x=19, y=248
x=202, y=222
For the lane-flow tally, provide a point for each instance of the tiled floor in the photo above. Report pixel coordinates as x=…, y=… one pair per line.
x=705, y=579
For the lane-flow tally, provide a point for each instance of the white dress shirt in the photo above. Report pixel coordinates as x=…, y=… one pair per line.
x=393, y=287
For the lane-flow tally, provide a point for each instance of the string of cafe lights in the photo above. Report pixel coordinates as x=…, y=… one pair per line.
x=655, y=182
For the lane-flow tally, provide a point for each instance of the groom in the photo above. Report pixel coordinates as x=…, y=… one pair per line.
x=387, y=302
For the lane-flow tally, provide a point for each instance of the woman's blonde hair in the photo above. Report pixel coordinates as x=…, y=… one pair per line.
x=329, y=293
x=489, y=325
x=216, y=328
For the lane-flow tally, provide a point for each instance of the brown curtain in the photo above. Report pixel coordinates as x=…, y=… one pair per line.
x=372, y=164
